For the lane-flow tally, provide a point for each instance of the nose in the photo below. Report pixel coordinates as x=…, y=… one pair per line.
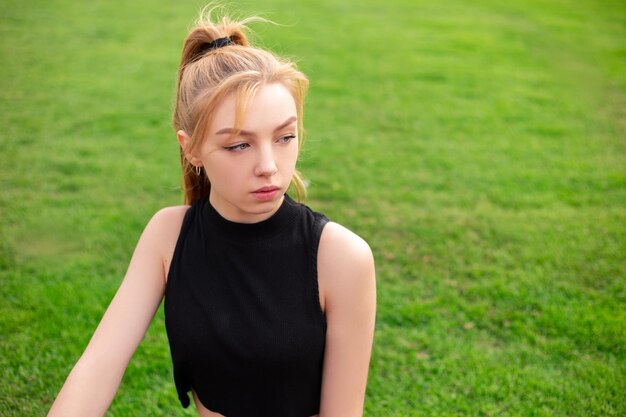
x=266, y=163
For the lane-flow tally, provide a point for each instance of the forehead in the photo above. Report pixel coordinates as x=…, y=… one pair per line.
x=268, y=108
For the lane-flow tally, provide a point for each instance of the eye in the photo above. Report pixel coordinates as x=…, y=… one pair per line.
x=287, y=138
x=237, y=148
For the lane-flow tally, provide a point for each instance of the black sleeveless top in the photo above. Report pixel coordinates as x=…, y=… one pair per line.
x=242, y=312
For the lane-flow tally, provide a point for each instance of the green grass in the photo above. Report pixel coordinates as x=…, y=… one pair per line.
x=479, y=147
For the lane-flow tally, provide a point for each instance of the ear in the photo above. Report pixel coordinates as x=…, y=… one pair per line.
x=185, y=141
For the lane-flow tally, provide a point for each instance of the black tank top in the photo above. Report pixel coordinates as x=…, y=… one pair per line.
x=242, y=312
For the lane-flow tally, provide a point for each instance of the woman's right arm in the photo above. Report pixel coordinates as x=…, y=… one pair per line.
x=94, y=380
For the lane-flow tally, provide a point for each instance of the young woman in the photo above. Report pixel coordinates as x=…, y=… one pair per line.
x=269, y=307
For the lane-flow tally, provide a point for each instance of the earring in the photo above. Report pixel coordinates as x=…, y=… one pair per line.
x=198, y=170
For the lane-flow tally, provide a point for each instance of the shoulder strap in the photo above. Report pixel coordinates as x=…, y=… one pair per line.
x=179, y=241
x=318, y=226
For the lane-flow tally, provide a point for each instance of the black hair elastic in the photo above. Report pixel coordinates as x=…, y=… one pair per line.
x=217, y=43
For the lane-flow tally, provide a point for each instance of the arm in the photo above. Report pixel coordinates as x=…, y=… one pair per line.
x=346, y=272
x=93, y=382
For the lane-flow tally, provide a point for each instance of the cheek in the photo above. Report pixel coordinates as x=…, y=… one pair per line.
x=221, y=172
x=291, y=156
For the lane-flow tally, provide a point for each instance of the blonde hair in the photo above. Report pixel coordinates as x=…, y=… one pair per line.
x=206, y=77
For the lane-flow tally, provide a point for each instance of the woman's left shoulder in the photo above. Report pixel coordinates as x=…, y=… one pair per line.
x=346, y=271
x=344, y=259
x=342, y=242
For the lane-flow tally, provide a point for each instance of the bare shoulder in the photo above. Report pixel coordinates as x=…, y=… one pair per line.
x=169, y=218
x=345, y=264
x=164, y=228
x=337, y=238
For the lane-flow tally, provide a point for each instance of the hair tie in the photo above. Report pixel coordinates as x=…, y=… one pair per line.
x=215, y=44
x=218, y=43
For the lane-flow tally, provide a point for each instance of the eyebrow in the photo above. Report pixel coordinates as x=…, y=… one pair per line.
x=230, y=130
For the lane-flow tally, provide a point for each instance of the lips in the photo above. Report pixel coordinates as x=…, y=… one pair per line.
x=266, y=193
x=266, y=189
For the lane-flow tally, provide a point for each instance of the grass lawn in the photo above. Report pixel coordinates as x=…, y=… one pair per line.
x=479, y=147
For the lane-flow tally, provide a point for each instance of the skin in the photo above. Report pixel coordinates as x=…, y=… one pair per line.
x=346, y=275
